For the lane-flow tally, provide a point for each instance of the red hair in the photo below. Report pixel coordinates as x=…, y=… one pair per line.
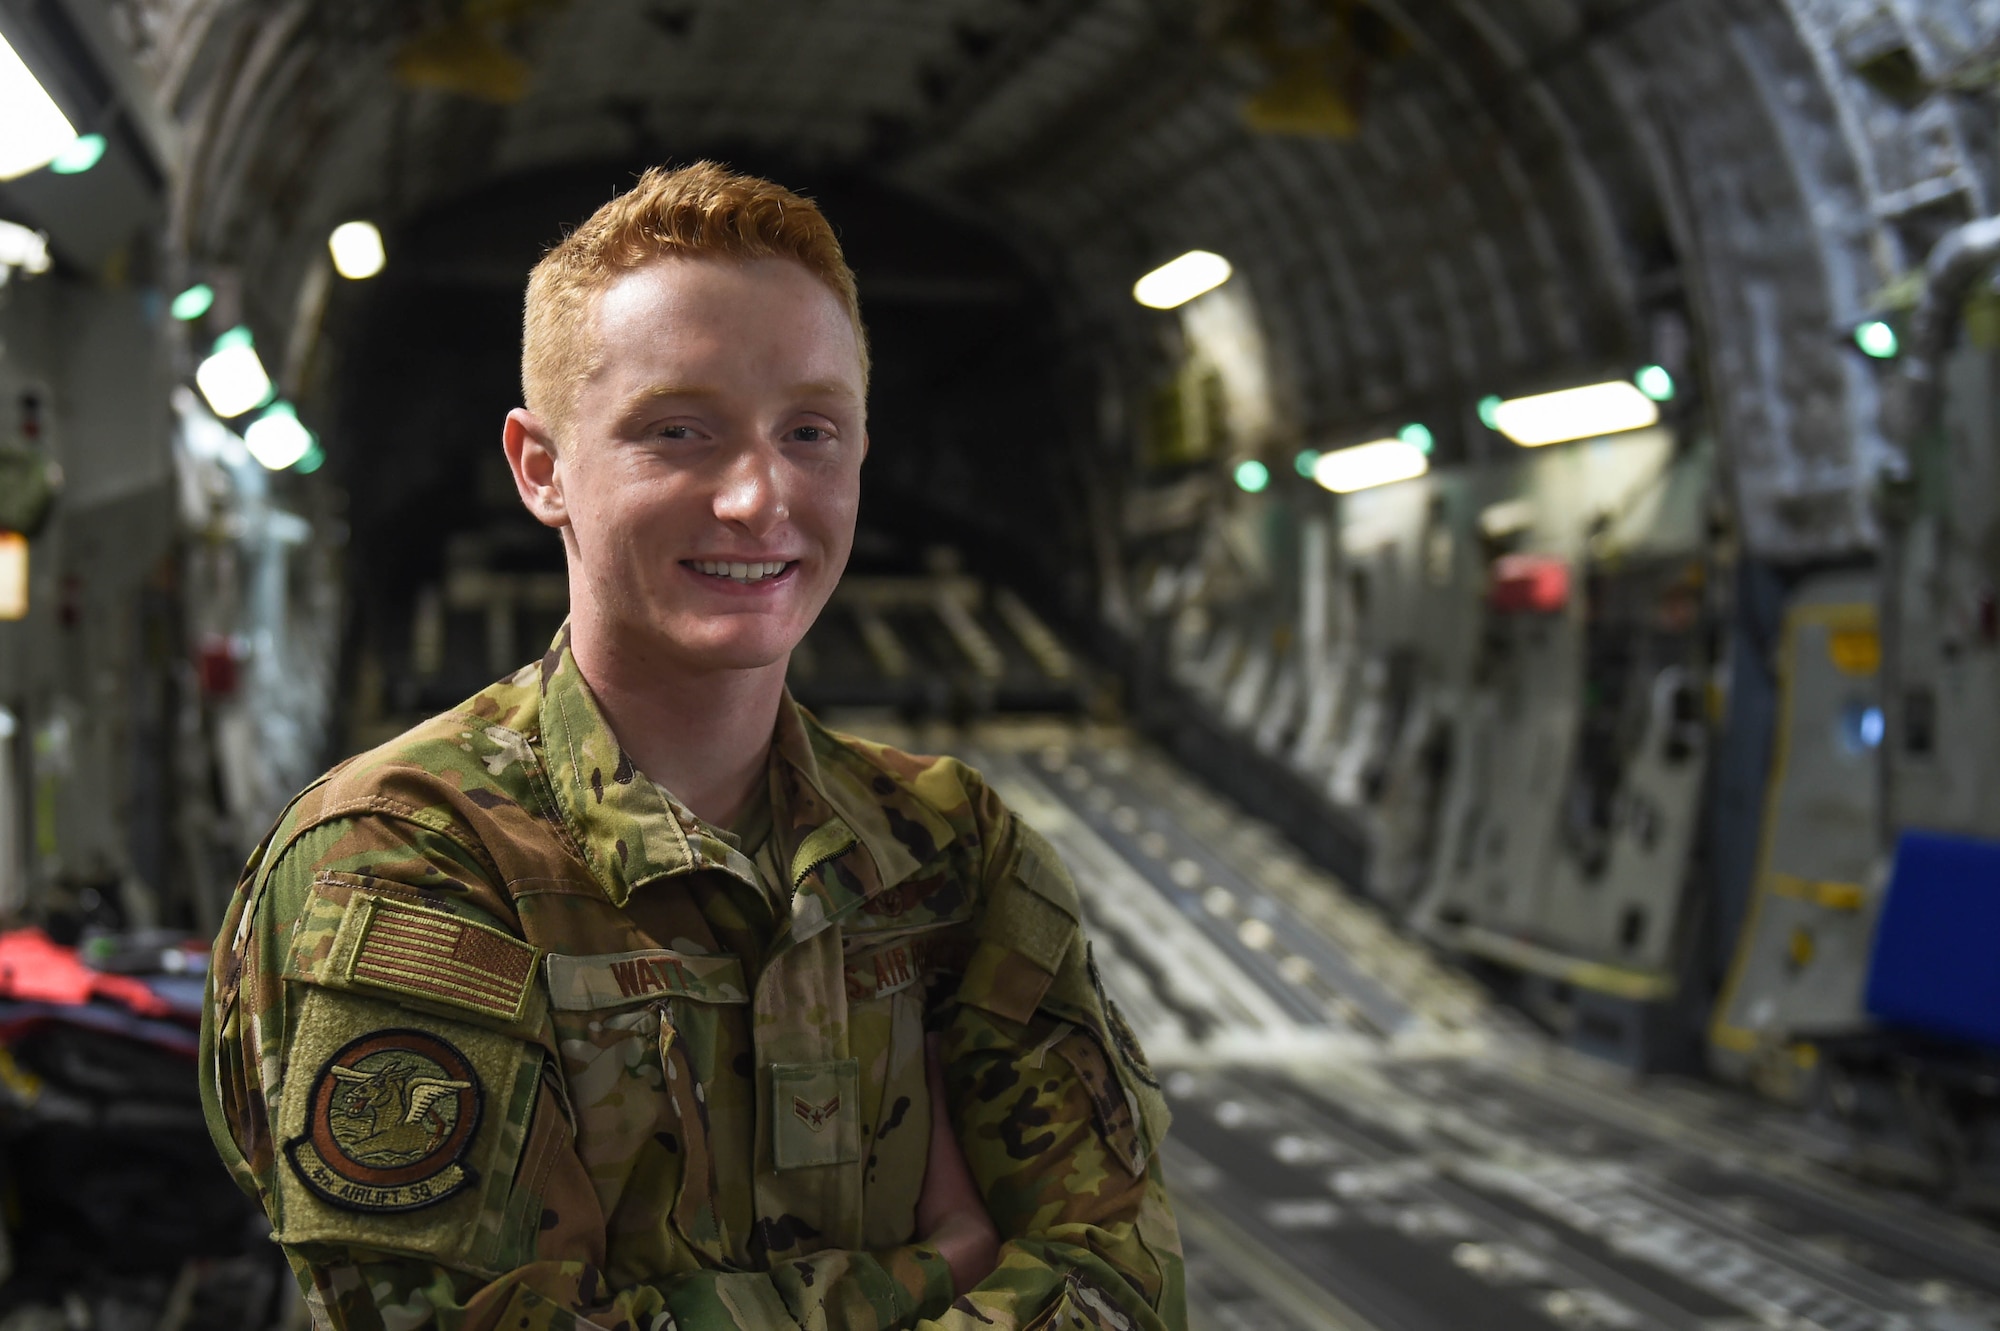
x=703, y=209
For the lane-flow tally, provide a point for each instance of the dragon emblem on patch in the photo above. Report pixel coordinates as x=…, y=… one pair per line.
x=390, y=1117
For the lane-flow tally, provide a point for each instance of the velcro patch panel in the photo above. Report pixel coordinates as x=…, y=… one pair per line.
x=1034, y=910
x=614, y=979
x=435, y=957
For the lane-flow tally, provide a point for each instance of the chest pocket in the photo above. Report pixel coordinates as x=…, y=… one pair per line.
x=643, y=1043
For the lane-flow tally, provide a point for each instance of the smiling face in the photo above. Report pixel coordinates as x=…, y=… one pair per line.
x=707, y=483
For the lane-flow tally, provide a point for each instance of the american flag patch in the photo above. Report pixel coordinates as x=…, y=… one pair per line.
x=440, y=958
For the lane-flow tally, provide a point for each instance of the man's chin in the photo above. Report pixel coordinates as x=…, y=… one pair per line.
x=708, y=657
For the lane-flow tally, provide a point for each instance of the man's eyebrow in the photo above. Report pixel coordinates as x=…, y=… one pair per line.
x=824, y=388
x=646, y=397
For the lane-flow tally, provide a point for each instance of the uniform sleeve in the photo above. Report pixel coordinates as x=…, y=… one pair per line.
x=413, y=1149
x=1058, y=1114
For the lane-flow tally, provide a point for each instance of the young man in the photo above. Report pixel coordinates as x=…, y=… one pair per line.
x=604, y=1000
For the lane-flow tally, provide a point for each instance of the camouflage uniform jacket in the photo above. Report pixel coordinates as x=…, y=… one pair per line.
x=502, y=1036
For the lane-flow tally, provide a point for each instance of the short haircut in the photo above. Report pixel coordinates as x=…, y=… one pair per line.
x=703, y=209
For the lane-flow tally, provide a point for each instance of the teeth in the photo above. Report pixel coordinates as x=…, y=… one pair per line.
x=740, y=572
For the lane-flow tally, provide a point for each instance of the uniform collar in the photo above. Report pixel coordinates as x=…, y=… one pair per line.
x=845, y=830
x=851, y=831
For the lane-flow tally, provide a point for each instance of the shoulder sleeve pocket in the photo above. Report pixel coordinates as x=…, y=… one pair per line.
x=1027, y=930
x=1035, y=908
x=382, y=938
x=401, y=1132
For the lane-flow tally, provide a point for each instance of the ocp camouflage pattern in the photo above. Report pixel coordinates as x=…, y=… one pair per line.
x=696, y=1078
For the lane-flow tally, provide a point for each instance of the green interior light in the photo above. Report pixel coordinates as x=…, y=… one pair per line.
x=1303, y=463
x=1489, y=411
x=1252, y=476
x=1655, y=383
x=1877, y=339
x=1418, y=436
x=238, y=336
x=193, y=303
x=82, y=154
x=314, y=459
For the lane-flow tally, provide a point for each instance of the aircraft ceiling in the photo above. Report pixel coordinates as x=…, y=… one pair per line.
x=1539, y=189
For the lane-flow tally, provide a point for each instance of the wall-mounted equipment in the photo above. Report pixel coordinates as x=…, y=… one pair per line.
x=1802, y=954
x=33, y=129
x=28, y=486
x=357, y=250
x=233, y=378
x=1931, y=968
x=1575, y=413
x=1529, y=584
x=1176, y=283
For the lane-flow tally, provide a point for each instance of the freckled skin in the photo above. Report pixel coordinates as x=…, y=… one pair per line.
x=649, y=484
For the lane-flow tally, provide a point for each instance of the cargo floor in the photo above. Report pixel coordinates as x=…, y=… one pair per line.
x=1361, y=1141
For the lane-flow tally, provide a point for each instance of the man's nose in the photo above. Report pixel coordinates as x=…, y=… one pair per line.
x=751, y=494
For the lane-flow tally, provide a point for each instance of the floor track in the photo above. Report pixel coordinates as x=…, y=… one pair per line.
x=1362, y=1144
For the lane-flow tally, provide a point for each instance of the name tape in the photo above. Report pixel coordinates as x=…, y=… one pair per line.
x=614, y=979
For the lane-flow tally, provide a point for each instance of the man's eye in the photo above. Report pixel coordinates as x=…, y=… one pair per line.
x=676, y=432
x=810, y=434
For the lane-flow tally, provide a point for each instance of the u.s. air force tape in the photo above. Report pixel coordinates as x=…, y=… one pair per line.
x=390, y=1117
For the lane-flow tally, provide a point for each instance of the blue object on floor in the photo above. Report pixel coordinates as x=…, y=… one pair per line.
x=1936, y=964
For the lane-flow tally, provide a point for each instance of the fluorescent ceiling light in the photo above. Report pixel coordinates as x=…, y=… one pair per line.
x=13, y=576
x=276, y=439
x=1365, y=466
x=1180, y=281
x=23, y=249
x=357, y=250
x=33, y=129
x=1575, y=413
x=233, y=379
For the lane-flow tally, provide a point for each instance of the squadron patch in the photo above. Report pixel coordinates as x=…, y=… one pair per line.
x=389, y=1118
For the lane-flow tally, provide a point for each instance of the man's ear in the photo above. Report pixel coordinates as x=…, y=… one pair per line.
x=531, y=456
